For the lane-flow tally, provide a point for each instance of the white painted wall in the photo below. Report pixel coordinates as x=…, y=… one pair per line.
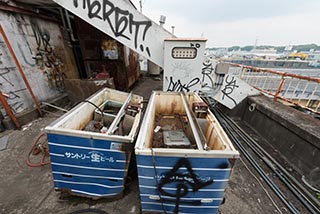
x=183, y=74
x=30, y=37
x=121, y=21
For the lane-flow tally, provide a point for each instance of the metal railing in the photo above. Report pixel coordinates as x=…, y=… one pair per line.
x=294, y=89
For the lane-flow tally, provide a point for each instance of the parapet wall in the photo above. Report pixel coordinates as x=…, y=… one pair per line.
x=294, y=134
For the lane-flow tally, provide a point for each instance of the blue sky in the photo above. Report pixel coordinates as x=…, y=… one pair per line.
x=240, y=22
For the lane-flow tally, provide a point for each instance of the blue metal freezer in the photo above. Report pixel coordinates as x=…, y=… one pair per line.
x=89, y=163
x=189, y=171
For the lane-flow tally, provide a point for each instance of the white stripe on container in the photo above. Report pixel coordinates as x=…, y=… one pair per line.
x=190, y=190
x=183, y=206
x=86, y=167
x=83, y=147
x=183, y=168
x=87, y=183
x=85, y=176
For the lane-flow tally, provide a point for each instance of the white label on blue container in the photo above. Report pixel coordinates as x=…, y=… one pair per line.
x=115, y=146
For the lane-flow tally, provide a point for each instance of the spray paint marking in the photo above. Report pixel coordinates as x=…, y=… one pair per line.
x=122, y=25
x=183, y=182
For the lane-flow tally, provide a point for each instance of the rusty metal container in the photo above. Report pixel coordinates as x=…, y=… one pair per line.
x=184, y=157
x=89, y=156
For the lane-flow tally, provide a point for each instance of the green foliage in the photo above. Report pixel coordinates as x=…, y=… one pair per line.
x=318, y=195
x=234, y=48
x=307, y=47
x=247, y=48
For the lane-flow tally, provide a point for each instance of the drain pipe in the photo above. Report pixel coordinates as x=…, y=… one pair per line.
x=69, y=26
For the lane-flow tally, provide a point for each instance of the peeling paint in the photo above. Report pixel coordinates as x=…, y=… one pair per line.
x=43, y=54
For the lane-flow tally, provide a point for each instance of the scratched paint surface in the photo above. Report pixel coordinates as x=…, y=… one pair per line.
x=87, y=166
x=40, y=49
x=183, y=74
x=121, y=21
x=182, y=185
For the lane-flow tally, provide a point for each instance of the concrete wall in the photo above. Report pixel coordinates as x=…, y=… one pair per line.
x=295, y=135
x=44, y=54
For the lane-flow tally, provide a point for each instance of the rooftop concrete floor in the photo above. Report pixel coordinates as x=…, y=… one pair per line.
x=25, y=190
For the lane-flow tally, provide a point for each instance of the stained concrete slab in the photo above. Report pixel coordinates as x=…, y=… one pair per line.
x=3, y=143
x=26, y=190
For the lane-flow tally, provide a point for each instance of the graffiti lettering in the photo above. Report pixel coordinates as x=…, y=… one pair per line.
x=122, y=24
x=207, y=71
x=47, y=59
x=183, y=182
x=3, y=76
x=229, y=88
x=180, y=87
x=16, y=107
x=42, y=38
x=208, y=82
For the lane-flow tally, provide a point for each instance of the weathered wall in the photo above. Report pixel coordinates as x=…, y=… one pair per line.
x=295, y=135
x=45, y=57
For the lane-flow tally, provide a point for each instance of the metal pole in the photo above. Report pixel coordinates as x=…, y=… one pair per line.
x=20, y=69
x=8, y=110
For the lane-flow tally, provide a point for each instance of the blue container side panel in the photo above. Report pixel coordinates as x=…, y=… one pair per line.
x=183, y=209
x=88, y=166
x=191, y=185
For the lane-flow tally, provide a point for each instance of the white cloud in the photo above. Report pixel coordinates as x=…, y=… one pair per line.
x=234, y=22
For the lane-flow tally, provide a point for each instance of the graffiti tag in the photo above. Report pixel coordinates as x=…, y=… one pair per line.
x=183, y=181
x=178, y=86
x=229, y=88
x=123, y=23
x=47, y=59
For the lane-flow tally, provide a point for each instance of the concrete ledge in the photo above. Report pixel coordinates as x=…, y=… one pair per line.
x=294, y=134
x=303, y=125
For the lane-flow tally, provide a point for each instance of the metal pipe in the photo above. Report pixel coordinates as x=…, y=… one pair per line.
x=8, y=110
x=266, y=157
x=119, y=116
x=56, y=107
x=313, y=92
x=261, y=172
x=278, y=72
x=279, y=88
x=197, y=132
x=63, y=21
x=276, y=95
x=292, y=188
x=69, y=26
x=20, y=69
x=304, y=90
x=20, y=10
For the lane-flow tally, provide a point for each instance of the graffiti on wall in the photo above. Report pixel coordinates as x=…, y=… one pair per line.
x=13, y=97
x=230, y=86
x=183, y=181
x=182, y=78
x=121, y=22
x=207, y=80
x=177, y=85
x=207, y=83
x=47, y=59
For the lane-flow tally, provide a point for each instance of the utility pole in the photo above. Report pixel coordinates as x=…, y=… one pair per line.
x=140, y=2
x=172, y=27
